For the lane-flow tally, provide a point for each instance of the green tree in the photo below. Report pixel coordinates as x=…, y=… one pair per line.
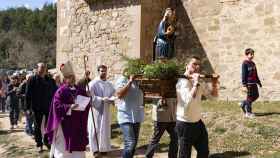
x=37, y=26
x=5, y=45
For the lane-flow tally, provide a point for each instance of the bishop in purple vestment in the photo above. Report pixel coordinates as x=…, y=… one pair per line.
x=67, y=127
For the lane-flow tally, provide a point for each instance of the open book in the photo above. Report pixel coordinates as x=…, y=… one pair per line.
x=82, y=101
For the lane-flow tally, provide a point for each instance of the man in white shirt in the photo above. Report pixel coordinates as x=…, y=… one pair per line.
x=190, y=128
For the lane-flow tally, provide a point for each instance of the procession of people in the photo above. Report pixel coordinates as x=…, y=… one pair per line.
x=67, y=116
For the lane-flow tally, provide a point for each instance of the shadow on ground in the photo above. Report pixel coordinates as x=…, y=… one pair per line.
x=266, y=114
x=230, y=154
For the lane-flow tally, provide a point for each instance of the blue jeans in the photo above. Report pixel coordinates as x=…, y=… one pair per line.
x=131, y=134
x=29, y=123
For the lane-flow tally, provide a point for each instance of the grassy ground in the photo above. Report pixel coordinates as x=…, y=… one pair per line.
x=230, y=134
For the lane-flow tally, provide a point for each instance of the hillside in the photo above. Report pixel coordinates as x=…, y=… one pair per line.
x=27, y=36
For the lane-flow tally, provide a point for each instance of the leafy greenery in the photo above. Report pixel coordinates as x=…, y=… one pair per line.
x=158, y=69
x=133, y=67
x=4, y=48
x=161, y=70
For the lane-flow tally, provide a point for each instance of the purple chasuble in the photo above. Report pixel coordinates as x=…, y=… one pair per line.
x=74, y=126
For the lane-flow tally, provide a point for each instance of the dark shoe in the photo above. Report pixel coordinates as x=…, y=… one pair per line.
x=48, y=146
x=103, y=154
x=96, y=155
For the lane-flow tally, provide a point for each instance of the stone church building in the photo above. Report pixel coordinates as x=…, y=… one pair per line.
x=216, y=30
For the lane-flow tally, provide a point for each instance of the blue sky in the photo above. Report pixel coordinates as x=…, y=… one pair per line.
x=4, y=4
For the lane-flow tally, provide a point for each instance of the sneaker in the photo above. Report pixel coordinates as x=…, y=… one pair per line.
x=40, y=149
x=12, y=127
x=16, y=126
x=241, y=105
x=251, y=115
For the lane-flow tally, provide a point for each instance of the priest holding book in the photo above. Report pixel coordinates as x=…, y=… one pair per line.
x=67, y=123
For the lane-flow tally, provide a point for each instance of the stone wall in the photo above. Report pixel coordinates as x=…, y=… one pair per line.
x=218, y=31
x=101, y=31
x=224, y=29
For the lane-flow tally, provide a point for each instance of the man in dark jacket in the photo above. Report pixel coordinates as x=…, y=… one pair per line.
x=39, y=92
x=13, y=102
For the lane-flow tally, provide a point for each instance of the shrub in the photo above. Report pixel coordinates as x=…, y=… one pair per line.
x=156, y=70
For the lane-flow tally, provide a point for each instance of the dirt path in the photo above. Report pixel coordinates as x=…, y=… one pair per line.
x=22, y=140
x=24, y=146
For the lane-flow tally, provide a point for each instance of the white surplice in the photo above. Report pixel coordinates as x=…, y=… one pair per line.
x=58, y=147
x=102, y=117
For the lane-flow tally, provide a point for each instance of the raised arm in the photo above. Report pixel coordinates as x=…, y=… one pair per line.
x=123, y=88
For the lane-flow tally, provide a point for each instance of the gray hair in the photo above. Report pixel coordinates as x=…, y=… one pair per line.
x=41, y=65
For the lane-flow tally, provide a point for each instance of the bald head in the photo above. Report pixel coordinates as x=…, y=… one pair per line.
x=41, y=69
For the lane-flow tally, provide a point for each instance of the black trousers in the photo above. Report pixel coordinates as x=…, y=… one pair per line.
x=3, y=104
x=192, y=134
x=159, y=129
x=39, y=137
x=14, y=114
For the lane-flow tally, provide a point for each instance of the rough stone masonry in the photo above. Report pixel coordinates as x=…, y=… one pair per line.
x=216, y=30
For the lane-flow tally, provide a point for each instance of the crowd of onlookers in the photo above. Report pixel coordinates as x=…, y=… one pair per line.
x=13, y=98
